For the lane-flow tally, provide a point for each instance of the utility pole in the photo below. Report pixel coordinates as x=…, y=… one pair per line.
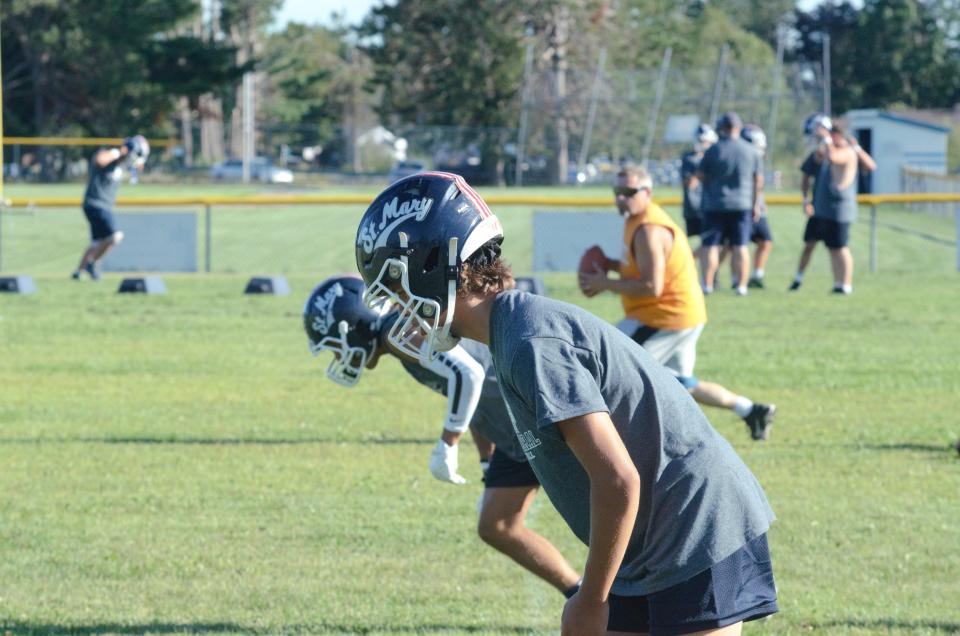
x=247, y=140
x=592, y=111
x=652, y=122
x=718, y=84
x=561, y=19
x=775, y=106
x=524, y=111
x=827, y=106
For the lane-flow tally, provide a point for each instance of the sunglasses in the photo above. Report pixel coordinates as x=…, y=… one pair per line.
x=626, y=192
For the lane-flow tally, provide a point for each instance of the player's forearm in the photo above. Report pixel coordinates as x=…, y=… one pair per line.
x=614, y=499
x=866, y=161
x=106, y=157
x=646, y=286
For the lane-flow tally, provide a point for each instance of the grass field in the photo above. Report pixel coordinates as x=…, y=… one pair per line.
x=179, y=463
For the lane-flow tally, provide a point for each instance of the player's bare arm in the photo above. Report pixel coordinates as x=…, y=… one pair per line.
x=757, y=190
x=107, y=156
x=614, y=499
x=652, y=245
x=867, y=162
x=805, y=193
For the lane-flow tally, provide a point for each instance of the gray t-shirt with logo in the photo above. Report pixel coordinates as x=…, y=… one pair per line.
x=728, y=168
x=699, y=503
x=491, y=418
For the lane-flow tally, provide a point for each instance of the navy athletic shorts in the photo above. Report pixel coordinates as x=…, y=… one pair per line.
x=694, y=225
x=727, y=227
x=761, y=230
x=101, y=222
x=504, y=472
x=834, y=234
x=739, y=588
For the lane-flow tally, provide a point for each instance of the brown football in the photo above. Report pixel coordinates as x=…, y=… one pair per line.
x=592, y=259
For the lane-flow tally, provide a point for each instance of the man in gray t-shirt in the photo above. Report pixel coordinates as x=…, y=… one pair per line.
x=837, y=160
x=732, y=175
x=336, y=320
x=106, y=168
x=675, y=522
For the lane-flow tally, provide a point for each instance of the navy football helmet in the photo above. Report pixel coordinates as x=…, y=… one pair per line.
x=705, y=134
x=138, y=149
x=411, y=244
x=754, y=134
x=814, y=121
x=336, y=319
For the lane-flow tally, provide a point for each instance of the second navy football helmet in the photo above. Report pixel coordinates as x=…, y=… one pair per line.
x=336, y=319
x=411, y=245
x=815, y=121
x=754, y=134
x=705, y=134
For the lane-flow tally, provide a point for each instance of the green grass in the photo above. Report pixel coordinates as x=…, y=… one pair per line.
x=179, y=463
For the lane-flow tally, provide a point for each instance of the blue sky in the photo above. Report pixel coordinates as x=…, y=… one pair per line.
x=319, y=11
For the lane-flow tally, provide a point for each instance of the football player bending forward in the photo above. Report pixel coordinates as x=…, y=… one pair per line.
x=336, y=319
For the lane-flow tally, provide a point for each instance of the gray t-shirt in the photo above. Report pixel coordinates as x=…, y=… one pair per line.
x=698, y=502
x=102, y=185
x=728, y=168
x=831, y=203
x=491, y=418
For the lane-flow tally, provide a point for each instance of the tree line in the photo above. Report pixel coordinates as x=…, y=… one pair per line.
x=105, y=67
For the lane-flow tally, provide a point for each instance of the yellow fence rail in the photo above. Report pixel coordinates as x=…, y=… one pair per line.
x=873, y=201
x=80, y=141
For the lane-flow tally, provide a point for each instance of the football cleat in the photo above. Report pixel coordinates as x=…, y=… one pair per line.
x=759, y=420
x=91, y=268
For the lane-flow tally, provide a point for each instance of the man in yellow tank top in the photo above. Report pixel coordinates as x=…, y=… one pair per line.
x=661, y=295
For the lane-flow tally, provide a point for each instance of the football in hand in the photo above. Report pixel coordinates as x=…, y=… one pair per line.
x=592, y=260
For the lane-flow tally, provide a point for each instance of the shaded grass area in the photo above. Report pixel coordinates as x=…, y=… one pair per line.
x=179, y=463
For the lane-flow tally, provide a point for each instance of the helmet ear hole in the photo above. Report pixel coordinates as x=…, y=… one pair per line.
x=432, y=260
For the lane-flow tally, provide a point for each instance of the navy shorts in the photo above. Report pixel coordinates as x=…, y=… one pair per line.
x=101, y=222
x=694, y=225
x=761, y=231
x=731, y=227
x=739, y=588
x=504, y=472
x=834, y=234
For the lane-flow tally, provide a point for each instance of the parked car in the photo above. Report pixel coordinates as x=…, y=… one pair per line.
x=403, y=169
x=261, y=169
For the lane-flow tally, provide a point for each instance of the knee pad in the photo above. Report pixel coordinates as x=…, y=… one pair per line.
x=116, y=237
x=688, y=381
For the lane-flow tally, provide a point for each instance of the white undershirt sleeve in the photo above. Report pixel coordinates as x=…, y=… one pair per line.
x=464, y=382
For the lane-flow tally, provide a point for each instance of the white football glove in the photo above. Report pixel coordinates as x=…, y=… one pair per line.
x=444, y=463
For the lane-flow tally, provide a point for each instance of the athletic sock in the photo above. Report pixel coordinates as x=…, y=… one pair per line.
x=847, y=289
x=741, y=290
x=573, y=589
x=758, y=273
x=707, y=289
x=742, y=406
x=798, y=278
